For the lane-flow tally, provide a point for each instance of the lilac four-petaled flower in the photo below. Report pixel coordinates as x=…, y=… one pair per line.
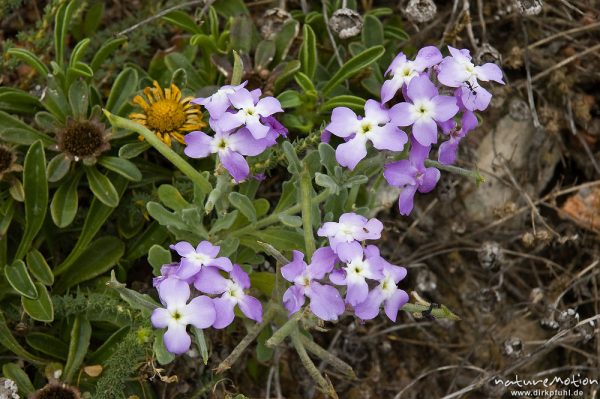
x=325, y=301
x=411, y=175
x=218, y=103
x=375, y=127
x=449, y=148
x=351, y=227
x=387, y=292
x=194, y=259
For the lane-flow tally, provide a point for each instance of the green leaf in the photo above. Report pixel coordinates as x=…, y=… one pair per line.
x=175, y=61
x=36, y=195
x=106, y=350
x=30, y=59
x=224, y=222
x=93, y=18
x=65, y=202
x=102, y=187
x=105, y=51
x=78, y=347
x=20, y=377
x=9, y=342
x=241, y=34
x=61, y=25
x=308, y=52
x=238, y=69
x=48, y=345
x=172, y=198
x=327, y=182
x=15, y=131
x=352, y=102
x=141, y=243
x=125, y=168
x=79, y=69
x=372, y=32
x=182, y=20
x=201, y=342
x=39, y=268
x=284, y=39
x=164, y=217
x=263, y=55
x=57, y=168
x=280, y=238
x=294, y=165
x=353, y=66
x=327, y=155
x=305, y=82
x=79, y=95
x=290, y=220
x=163, y=356
x=40, y=309
x=263, y=281
x=19, y=279
x=244, y=205
x=133, y=298
x=98, y=258
x=157, y=257
x=122, y=90
x=132, y=150
x=289, y=99
x=55, y=100
x=285, y=74
x=14, y=100
x=79, y=51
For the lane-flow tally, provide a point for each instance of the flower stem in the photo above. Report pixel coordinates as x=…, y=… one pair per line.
x=308, y=364
x=439, y=312
x=285, y=330
x=306, y=190
x=164, y=149
x=473, y=174
x=322, y=353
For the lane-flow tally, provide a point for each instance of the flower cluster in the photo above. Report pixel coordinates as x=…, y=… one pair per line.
x=202, y=268
x=347, y=264
x=243, y=125
x=424, y=109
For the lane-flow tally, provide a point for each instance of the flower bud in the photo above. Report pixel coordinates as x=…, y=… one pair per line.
x=420, y=10
x=346, y=23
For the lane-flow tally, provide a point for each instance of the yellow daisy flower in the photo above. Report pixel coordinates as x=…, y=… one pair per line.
x=166, y=114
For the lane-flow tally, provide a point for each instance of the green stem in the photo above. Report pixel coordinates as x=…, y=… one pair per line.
x=306, y=190
x=285, y=330
x=322, y=353
x=472, y=174
x=165, y=150
x=440, y=312
x=238, y=69
x=308, y=364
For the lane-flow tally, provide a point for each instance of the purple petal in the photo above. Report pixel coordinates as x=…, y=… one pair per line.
x=389, y=137
x=460, y=55
x=427, y=57
x=353, y=219
x=389, y=89
x=447, y=151
x=239, y=276
x=160, y=317
x=235, y=164
x=430, y=179
x=197, y=145
x=402, y=114
x=489, y=71
x=350, y=153
x=420, y=87
x=328, y=229
x=425, y=131
x=229, y=121
x=468, y=121
x=399, y=173
x=369, y=309
x=224, y=312
x=187, y=269
x=481, y=100
x=252, y=308
x=210, y=281
x=295, y=268
x=326, y=302
x=357, y=291
x=241, y=99
x=418, y=153
x=174, y=292
x=322, y=262
x=293, y=299
x=244, y=143
x=200, y=312
x=447, y=126
x=176, y=339
x=445, y=108
x=371, y=230
x=374, y=111
x=344, y=122
x=183, y=248
x=397, y=272
x=258, y=130
x=338, y=277
x=394, y=303
x=348, y=251
x=208, y=249
x=452, y=73
x=397, y=62
x=371, y=251
x=406, y=199
x=268, y=106
x=222, y=263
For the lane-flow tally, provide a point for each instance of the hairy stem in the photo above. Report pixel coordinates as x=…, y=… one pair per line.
x=322, y=353
x=308, y=364
x=306, y=190
x=473, y=174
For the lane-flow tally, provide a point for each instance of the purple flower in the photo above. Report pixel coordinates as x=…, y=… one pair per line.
x=325, y=301
x=457, y=70
x=386, y=292
x=374, y=127
x=425, y=109
x=177, y=314
x=351, y=227
x=219, y=102
x=210, y=281
x=403, y=71
x=411, y=175
x=231, y=147
x=360, y=265
x=193, y=260
x=248, y=112
x=448, y=149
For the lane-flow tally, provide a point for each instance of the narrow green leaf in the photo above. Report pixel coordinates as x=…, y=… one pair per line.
x=132, y=150
x=263, y=55
x=65, y=202
x=61, y=26
x=294, y=165
x=57, y=168
x=102, y=187
x=14, y=100
x=305, y=82
x=244, y=205
x=133, y=298
x=106, y=350
x=78, y=347
x=20, y=377
x=19, y=279
x=308, y=52
x=140, y=245
x=182, y=20
x=175, y=61
x=163, y=356
x=202, y=345
x=238, y=69
x=372, y=32
x=30, y=59
x=40, y=309
x=122, y=90
x=285, y=72
x=9, y=342
x=172, y=198
x=290, y=220
x=93, y=18
x=353, y=66
x=36, y=195
x=39, y=267
x=15, y=131
x=79, y=97
x=352, y=102
x=224, y=222
x=289, y=99
x=79, y=51
x=47, y=344
x=125, y=168
x=157, y=257
x=105, y=51
x=284, y=39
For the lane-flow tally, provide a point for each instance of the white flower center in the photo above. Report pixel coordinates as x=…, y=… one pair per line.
x=388, y=286
x=178, y=316
x=199, y=258
x=250, y=111
x=405, y=72
x=357, y=269
x=423, y=109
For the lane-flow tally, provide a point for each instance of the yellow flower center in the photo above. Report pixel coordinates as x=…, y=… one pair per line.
x=166, y=116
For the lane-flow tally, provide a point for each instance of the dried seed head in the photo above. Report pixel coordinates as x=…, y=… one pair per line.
x=512, y=347
x=490, y=255
x=8, y=389
x=8, y=161
x=587, y=331
x=420, y=10
x=529, y=7
x=549, y=322
x=528, y=239
x=518, y=109
x=426, y=281
x=83, y=139
x=536, y=295
x=446, y=190
x=272, y=21
x=55, y=390
x=567, y=319
x=486, y=53
x=488, y=299
x=346, y=23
